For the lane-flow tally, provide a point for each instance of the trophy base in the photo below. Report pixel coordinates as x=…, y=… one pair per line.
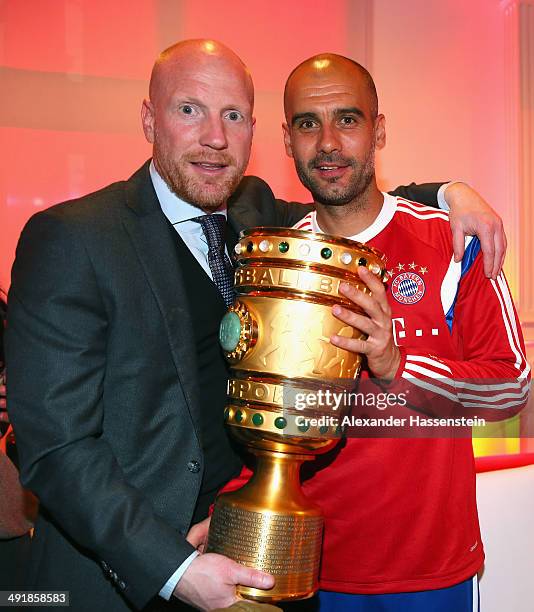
x=270, y=525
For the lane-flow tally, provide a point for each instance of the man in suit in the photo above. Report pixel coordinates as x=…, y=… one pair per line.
x=116, y=384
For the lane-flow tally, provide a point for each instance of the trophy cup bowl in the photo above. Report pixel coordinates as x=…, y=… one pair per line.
x=276, y=339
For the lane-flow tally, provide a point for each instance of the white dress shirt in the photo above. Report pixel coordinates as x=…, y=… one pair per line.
x=180, y=213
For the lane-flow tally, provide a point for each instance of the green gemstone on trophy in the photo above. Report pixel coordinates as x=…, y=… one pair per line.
x=304, y=427
x=230, y=331
x=326, y=253
x=257, y=419
x=280, y=422
x=238, y=416
x=226, y=413
x=323, y=429
x=283, y=247
x=362, y=261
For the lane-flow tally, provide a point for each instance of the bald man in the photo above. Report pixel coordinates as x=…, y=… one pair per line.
x=116, y=383
x=401, y=531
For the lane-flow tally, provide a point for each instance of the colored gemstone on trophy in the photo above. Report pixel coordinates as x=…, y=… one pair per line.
x=283, y=247
x=230, y=331
x=257, y=419
x=280, y=423
x=375, y=268
x=264, y=246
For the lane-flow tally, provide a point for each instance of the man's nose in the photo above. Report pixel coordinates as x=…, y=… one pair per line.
x=213, y=134
x=329, y=140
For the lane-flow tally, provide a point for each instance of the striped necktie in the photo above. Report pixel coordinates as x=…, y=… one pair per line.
x=221, y=268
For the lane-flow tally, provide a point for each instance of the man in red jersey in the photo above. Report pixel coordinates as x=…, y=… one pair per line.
x=401, y=525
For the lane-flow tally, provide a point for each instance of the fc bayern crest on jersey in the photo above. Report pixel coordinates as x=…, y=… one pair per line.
x=408, y=287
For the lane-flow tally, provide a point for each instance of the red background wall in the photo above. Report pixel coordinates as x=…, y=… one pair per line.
x=73, y=74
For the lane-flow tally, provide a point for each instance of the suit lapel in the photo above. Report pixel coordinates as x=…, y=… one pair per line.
x=149, y=232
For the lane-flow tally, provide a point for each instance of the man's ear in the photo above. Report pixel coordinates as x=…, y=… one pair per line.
x=287, y=140
x=380, y=132
x=147, y=119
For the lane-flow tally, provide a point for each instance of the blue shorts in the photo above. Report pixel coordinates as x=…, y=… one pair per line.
x=462, y=597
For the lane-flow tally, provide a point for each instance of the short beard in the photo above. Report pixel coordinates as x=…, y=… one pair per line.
x=208, y=196
x=342, y=196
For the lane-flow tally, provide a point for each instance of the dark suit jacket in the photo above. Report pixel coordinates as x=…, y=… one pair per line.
x=102, y=392
x=102, y=389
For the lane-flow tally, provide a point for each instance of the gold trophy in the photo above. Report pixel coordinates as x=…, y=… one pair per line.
x=276, y=338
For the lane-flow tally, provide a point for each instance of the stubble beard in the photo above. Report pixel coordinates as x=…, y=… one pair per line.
x=340, y=196
x=208, y=195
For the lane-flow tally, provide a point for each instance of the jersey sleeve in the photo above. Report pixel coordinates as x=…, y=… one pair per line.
x=491, y=376
x=425, y=193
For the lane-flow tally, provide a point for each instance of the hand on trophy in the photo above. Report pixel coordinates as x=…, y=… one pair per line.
x=210, y=582
x=197, y=536
x=383, y=356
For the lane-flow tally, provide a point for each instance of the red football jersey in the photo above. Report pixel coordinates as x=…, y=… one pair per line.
x=400, y=513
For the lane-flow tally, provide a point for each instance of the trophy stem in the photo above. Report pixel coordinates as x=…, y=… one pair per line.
x=269, y=524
